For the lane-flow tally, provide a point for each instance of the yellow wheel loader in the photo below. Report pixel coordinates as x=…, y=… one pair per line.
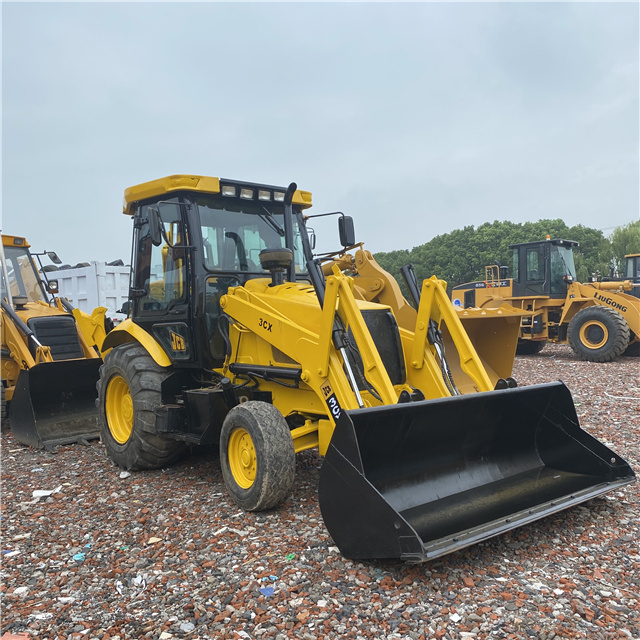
x=49, y=355
x=599, y=320
x=238, y=338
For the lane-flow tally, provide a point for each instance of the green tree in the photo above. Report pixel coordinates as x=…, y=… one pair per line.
x=461, y=256
x=624, y=240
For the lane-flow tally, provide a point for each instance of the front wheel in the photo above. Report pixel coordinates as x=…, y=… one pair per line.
x=129, y=390
x=598, y=334
x=257, y=456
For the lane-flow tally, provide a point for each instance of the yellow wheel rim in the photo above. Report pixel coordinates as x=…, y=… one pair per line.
x=242, y=458
x=593, y=334
x=119, y=408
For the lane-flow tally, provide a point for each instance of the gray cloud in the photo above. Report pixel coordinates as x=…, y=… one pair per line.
x=414, y=118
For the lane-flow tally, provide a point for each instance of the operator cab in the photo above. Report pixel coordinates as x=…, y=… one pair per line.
x=22, y=280
x=194, y=238
x=543, y=268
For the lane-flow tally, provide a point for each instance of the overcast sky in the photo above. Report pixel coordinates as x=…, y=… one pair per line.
x=414, y=118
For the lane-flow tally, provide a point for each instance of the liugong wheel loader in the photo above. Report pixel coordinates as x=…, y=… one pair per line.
x=599, y=320
x=49, y=355
x=236, y=337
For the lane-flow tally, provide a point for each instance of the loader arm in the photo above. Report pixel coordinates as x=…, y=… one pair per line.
x=435, y=305
x=488, y=356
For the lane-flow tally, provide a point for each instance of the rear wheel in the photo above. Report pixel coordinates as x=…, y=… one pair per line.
x=598, y=334
x=632, y=350
x=257, y=456
x=129, y=390
x=529, y=347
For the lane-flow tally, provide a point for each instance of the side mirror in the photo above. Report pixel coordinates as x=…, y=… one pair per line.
x=312, y=238
x=52, y=287
x=53, y=256
x=126, y=306
x=155, y=226
x=347, y=231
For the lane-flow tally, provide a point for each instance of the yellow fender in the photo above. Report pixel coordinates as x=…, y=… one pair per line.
x=128, y=331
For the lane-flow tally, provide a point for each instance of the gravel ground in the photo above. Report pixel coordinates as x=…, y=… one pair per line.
x=166, y=554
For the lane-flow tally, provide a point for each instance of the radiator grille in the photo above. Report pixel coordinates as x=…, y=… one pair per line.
x=60, y=334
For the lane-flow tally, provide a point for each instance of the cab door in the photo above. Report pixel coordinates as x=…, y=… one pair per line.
x=160, y=291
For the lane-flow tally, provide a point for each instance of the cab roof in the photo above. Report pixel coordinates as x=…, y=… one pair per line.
x=14, y=241
x=557, y=243
x=199, y=184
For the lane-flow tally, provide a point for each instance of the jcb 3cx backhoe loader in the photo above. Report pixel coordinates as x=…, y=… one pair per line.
x=237, y=338
x=50, y=360
x=599, y=320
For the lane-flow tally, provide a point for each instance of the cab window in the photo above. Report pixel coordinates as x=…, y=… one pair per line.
x=234, y=233
x=161, y=270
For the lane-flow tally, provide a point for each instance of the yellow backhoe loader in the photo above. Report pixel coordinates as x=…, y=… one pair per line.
x=599, y=320
x=49, y=354
x=237, y=337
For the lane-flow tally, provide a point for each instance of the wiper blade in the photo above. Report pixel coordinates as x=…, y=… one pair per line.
x=270, y=220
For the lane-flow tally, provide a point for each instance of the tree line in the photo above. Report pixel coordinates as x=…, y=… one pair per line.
x=461, y=256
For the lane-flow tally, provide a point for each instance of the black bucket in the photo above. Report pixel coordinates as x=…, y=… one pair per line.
x=420, y=480
x=54, y=403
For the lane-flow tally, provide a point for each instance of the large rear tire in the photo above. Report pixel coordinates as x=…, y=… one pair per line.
x=598, y=334
x=129, y=390
x=529, y=347
x=257, y=456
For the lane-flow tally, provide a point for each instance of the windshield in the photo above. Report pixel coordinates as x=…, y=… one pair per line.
x=235, y=232
x=561, y=265
x=22, y=276
x=562, y=261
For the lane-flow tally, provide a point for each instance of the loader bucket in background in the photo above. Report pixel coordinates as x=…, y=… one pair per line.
x=419, y=480
x=54, y=403
x=494, y=334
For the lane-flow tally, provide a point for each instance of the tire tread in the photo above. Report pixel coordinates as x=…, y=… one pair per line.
x=616, y=326
x=143, y=450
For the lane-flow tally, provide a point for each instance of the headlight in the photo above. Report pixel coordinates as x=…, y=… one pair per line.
x=278, y=196
x=264, y=195
x=228, y=191
x=246, y=194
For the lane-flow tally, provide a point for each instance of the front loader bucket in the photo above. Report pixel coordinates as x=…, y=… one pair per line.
x=54, y=403
x=419, y=480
